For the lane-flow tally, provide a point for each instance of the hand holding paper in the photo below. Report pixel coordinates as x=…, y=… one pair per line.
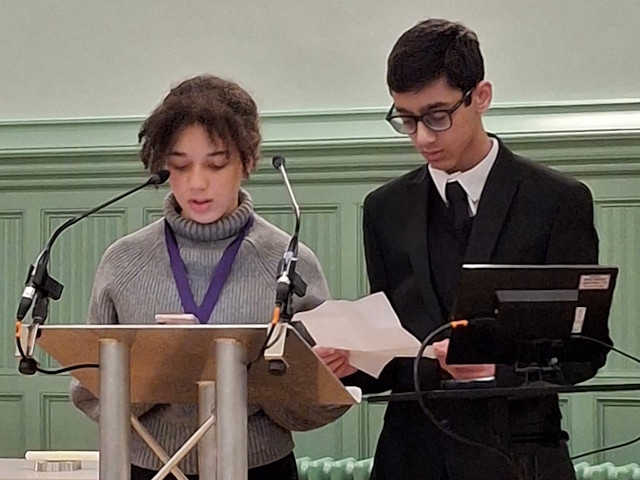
x=367, y=328
x=337, y=360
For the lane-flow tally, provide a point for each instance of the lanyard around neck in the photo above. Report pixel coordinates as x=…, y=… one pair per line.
x=220, y=275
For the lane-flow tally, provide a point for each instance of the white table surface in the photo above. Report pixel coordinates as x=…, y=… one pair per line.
x=20, y=469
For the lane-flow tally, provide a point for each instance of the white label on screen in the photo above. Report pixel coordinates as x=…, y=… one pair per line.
x=578, y=320
x=594, y=282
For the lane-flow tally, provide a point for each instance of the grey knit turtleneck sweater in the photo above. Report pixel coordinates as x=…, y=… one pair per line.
x=134, y=282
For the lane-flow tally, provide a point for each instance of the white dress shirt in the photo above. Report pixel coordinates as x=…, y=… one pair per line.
x=472, y=181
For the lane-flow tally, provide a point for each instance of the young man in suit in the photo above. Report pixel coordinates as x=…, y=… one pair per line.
x=473, y=202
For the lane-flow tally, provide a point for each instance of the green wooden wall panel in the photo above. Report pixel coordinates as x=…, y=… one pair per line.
x=578, y=419
x=372, y=416
x=361, y=263
x=63, y=427
x=151, y=214
x=13, y=274
x=12, y=424
x=619, y=226
x=618, y=422
x=328, y=441
x=319, y=230
x=565, y=410
x=76, y=256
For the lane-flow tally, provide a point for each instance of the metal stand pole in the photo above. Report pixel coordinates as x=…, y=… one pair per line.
x=115, y=430
x=231, y=407
x=207, y=445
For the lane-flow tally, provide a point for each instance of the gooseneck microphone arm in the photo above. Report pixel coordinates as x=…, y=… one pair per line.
x=289, y=282
x=278, y=164
x=38, y=279
x=155, y=179
x=40, y=287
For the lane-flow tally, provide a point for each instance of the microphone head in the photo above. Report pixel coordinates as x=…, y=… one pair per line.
x=278, y=161
x=159, y=178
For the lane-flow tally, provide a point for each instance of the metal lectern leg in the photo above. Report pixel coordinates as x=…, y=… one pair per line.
x=155, y=446
x=207, y=445
x=115, y=430
x=231, y=409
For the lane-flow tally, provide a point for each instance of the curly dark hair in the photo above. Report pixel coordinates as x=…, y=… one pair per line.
x=434, y=49
x=222, y=107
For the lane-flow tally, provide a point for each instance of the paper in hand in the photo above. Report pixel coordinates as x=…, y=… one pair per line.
x=368, y=328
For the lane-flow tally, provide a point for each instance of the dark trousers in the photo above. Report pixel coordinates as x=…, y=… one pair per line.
x=410, y=447
x=283, y=469
x=450, y=461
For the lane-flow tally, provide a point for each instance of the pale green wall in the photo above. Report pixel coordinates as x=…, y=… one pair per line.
x=79, y=58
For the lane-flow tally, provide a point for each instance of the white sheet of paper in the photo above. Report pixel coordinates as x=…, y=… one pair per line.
x=368, y=328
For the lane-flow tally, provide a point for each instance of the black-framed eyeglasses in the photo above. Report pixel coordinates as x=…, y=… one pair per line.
x=435, y=120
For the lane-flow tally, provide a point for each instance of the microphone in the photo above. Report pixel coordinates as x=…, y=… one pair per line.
x=278, y=161
x=288, y=281
x=39, y=286
x=288, y=284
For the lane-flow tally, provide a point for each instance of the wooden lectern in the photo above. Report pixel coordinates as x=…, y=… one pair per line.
x=204, y=364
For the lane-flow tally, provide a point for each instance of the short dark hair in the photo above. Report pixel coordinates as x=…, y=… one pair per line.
x=222, y=107
x=435, y=49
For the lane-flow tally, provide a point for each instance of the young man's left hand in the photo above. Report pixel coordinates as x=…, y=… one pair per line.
x=461, y=372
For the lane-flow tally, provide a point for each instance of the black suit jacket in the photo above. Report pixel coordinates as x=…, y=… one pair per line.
x=528, y=214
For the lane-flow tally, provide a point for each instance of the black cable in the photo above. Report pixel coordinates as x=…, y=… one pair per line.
x=36, y=368
x=429, y=414
x=606, y=449
x=23, y=355
x=268, y=344
x=608, y=345
x=265, y=345
x=439, y=426
x=68, y=369
x=624, y=354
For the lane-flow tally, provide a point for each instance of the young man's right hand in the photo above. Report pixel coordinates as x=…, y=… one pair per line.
x=337, y=360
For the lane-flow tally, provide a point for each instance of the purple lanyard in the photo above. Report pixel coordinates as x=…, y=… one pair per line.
x=218, y=280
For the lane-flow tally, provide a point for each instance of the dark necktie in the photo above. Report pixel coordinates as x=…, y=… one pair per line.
x=458, y=204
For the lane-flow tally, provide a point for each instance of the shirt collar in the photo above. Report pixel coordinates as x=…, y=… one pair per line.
x=472, y=180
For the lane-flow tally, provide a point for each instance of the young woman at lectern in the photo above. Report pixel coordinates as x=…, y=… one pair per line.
x=206, y=133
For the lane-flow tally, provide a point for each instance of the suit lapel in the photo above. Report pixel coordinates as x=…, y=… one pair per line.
x=493, y=208
x=418, y=193
x=495, y=201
